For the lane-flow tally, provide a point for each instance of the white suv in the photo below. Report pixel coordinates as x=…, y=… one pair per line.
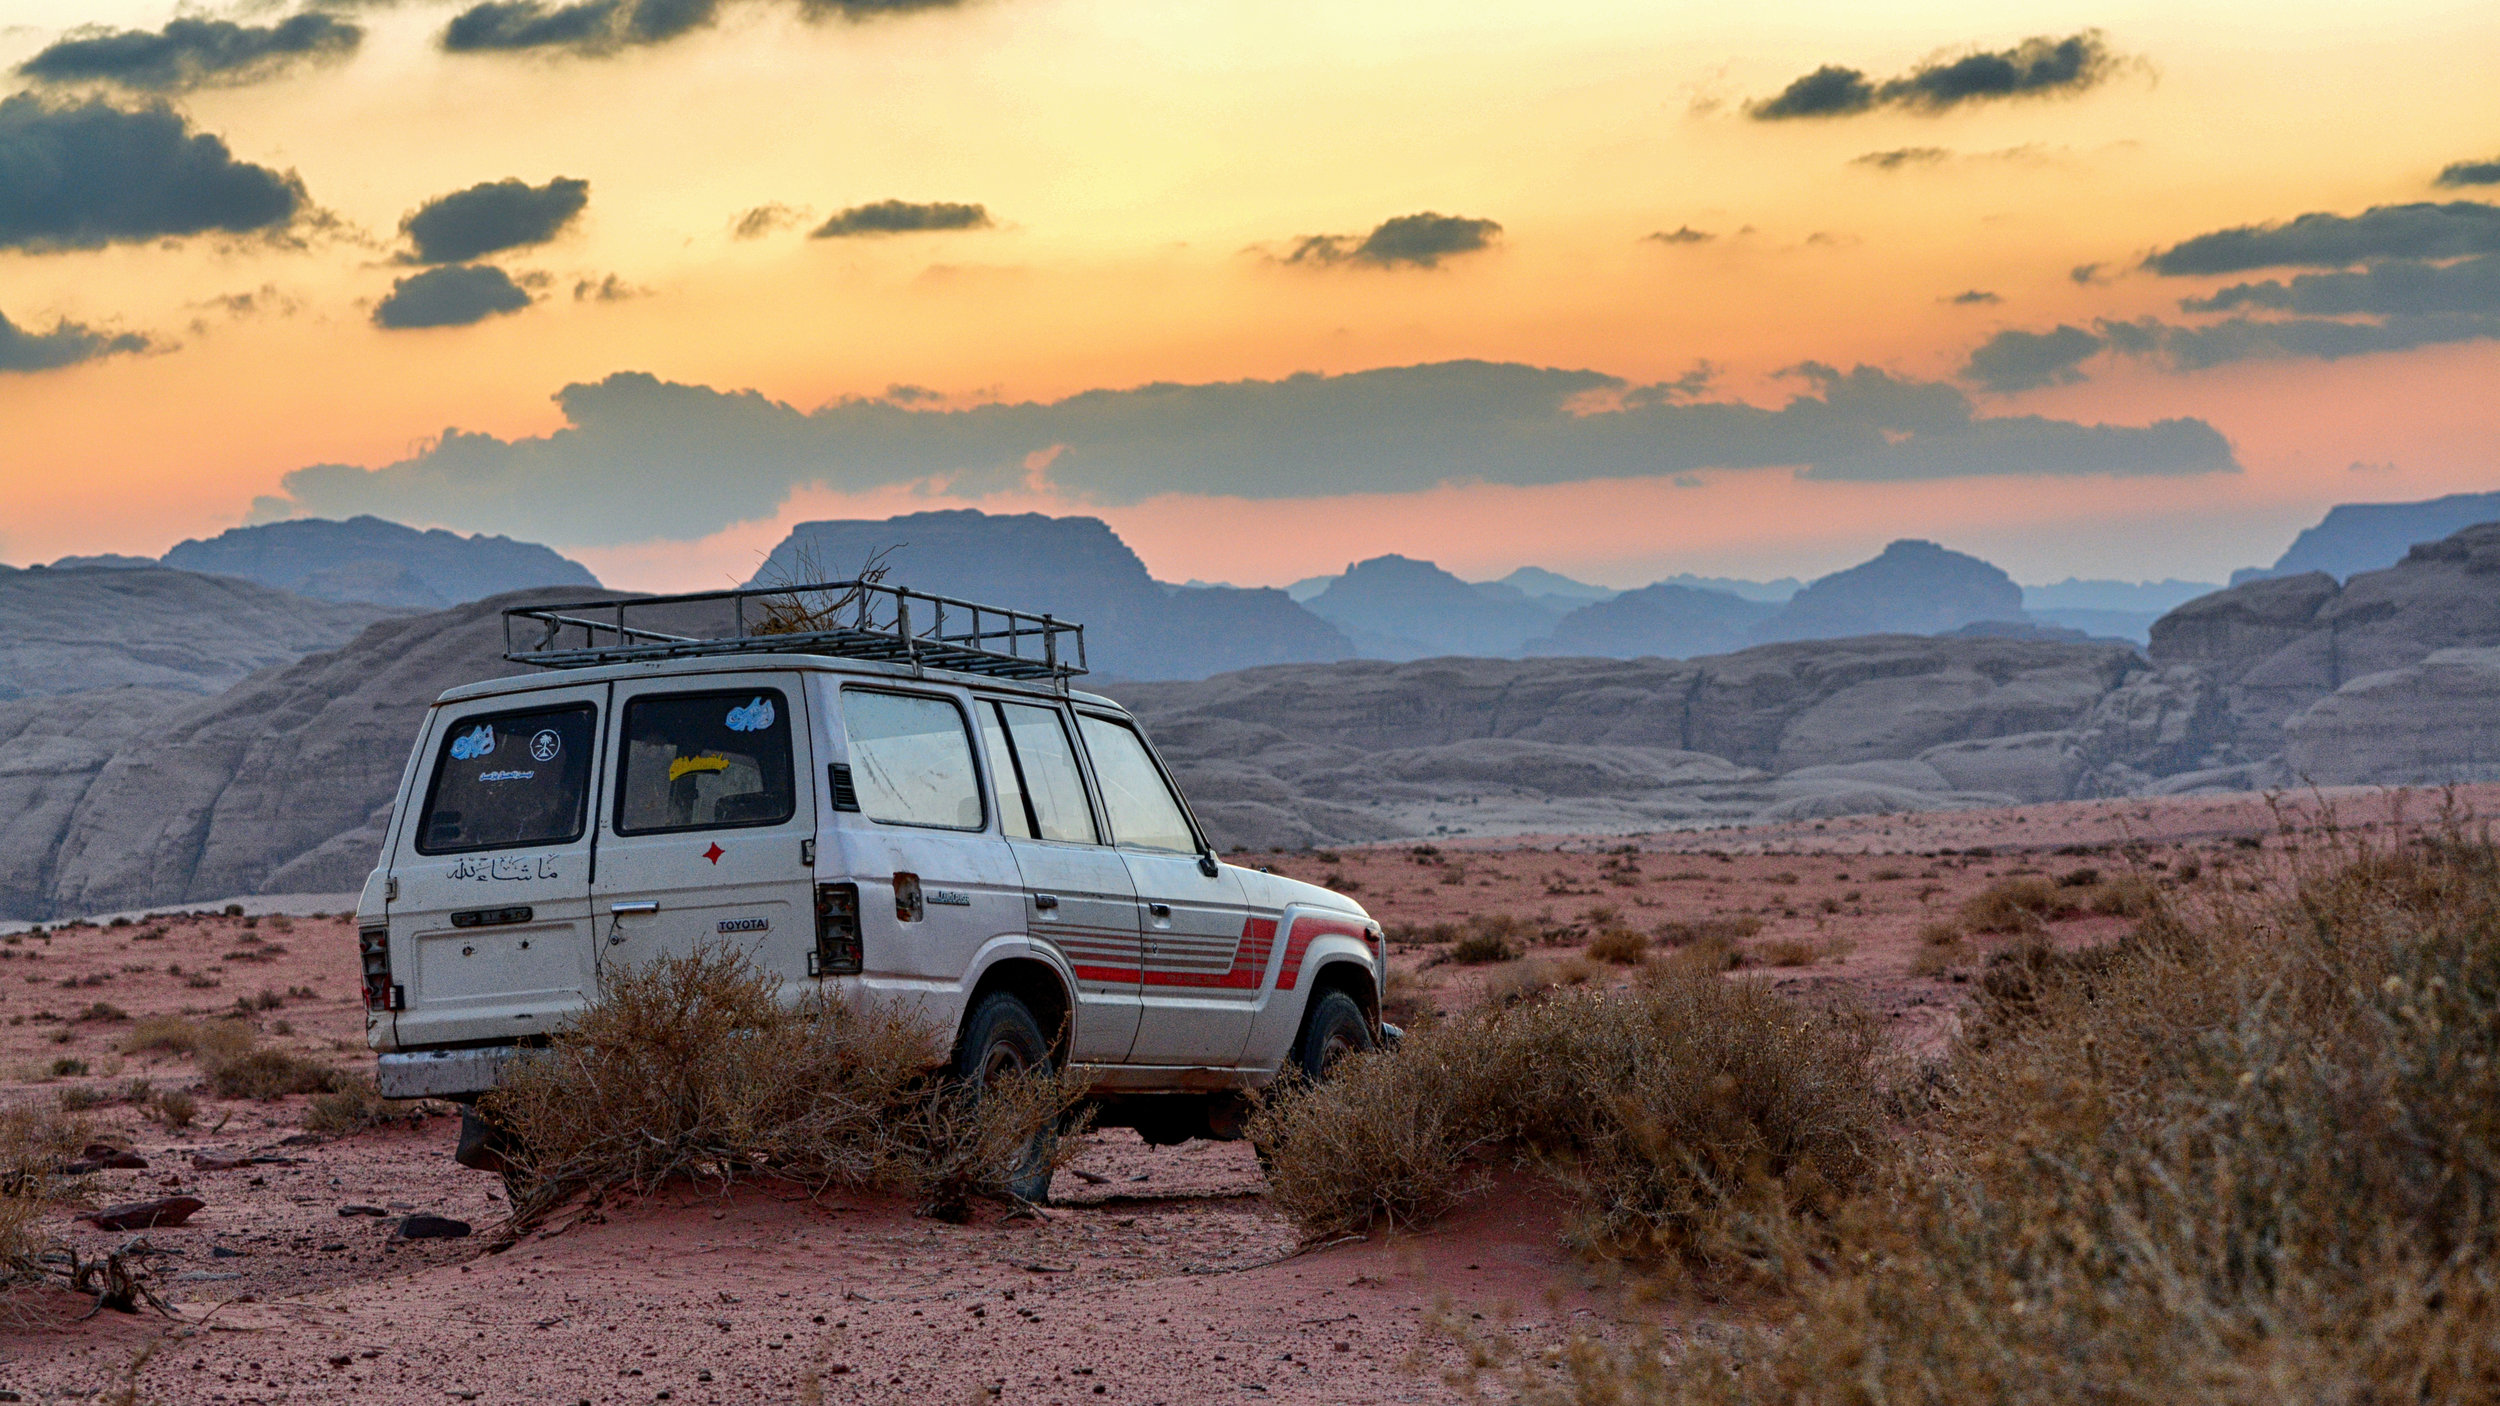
x=977, y=840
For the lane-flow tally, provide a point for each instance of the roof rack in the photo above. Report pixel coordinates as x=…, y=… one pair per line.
x=847, y=619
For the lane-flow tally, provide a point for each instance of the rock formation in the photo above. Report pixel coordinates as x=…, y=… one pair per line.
x=368, y=559
x=1395, y=607
x=1670, y=622
x=66, y=630
x=1912, y=587
x=2358, y=537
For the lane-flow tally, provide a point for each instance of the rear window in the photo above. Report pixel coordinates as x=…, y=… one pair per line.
x=504, y=780
x=706, y=761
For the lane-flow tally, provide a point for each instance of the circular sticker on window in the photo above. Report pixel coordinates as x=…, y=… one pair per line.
x=546, y=744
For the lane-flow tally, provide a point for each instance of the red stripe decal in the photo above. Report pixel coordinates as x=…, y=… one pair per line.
x=1258, y=938
x=1305, y=929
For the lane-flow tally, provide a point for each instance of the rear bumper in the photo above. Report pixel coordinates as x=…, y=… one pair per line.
x=442, y=1073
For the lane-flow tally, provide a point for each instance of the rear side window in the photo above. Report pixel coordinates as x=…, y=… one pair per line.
x=1144, y=812
x=1041, y=793
x=705, y=761
x=911, y=760
x=504, y=780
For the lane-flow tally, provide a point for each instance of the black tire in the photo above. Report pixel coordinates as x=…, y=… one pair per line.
x=488, y=1146
x=1333, y=1028
x=1000, y=1038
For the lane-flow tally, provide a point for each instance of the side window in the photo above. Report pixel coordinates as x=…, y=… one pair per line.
x=705, y=761
x=911, y=760
x=1046, y=775
x=1144, y=812
x=503, y=780
x=1015, y=818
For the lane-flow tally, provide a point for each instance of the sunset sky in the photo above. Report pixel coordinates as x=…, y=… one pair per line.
x=2132, y=290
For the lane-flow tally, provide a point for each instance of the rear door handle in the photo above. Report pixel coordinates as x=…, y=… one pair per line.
x=647, y=905
x=1046, y=901
x=1160, y=910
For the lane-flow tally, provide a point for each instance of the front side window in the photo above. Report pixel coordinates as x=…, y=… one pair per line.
x=1041, y=792
x=1144, y=812
x=705, y=761
x=504, y=780
x=911, y=760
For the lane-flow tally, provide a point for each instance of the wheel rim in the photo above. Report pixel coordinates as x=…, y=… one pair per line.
x=1342, y=1041
x=1002, y=1060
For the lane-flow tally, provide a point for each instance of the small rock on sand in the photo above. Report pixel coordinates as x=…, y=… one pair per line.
x=140, y=1215
x=432, y=1228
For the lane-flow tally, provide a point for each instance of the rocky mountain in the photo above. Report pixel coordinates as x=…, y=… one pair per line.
x=2111, y=609
x=2357, y=537
x=1911, y=587
x=1535, y=581
x=1395, y=607
x=1665, y=621
x=64, y=631
x=1076, y=567
x=368, y=559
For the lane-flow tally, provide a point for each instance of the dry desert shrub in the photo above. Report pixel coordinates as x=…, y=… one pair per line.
x=1478, y=946
x=1621, y=946
x=268, y=1074
x=2247, y=1155
x=1676, y=1111
x=691, y=1067
x=1721, y=928
x=212, y=1041
x=2017, y=905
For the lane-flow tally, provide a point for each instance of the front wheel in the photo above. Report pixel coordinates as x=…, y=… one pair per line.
x=1001, y=1040
x=1334, y=1029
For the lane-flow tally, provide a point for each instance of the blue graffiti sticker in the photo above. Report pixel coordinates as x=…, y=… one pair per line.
x=754, y=717
x=470, y=746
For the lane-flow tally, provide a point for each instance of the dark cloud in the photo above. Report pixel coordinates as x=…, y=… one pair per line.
x=1899, y=157
x=870, y=9
x=607, y=26
x=763, y=220
x=91, y=174
x=67, y=344
x=1829, y=91
x=493, y=216
x=2037, y=67
x=901, y=217
x=1419, y=241
x=2088, y=274
x=2471, y=173
x=633, y=444
x=2389, y=288
x=2425, y=230
x=2306, y=338
x=453, y=296
x=1971, y=297
x=189, y=53
x=1681, y=234
x=2015, y=360
x=610, y=289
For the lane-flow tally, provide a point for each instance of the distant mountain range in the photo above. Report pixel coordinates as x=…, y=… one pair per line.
x=2356, y=537
x=365, y=560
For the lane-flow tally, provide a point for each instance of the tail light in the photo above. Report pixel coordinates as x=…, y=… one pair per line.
x=374, y=945
x=837, y=931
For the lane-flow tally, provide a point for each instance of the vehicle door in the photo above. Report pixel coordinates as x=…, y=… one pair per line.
x=1079, y=898
x=491, y=925
x=935, y=886
x=707, y=838
x=1204, y=964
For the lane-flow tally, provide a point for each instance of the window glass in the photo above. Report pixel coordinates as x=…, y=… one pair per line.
x=1051, y=779
x=1143, y=811
x=1014, y=820
x=706, y=761
x=911, y=760
x=508, y=779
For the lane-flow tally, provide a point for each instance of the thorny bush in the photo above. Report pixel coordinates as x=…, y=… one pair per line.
x=693, y=1068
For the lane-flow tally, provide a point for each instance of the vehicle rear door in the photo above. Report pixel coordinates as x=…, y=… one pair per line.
x=1204, y=960
x=490, y=929
x=706, y=837
x=1079, y=898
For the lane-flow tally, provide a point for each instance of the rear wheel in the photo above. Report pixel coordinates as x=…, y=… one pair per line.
x=1001, y=1040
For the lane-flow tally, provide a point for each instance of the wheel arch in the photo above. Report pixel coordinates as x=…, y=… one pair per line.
x=1341, y=974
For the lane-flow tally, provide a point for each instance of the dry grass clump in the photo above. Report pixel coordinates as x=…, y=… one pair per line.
x=1676, y=1111
x=268, y=1074
x=2249, y=1155
x=354, y=1106
x=1621, y=946
x=1480, y=946
x=1719, y=928
x=2018, y=905
x=212, y=1041
x=691, y=1067
x=36, y=1138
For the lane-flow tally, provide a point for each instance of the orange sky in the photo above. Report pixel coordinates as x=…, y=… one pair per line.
x=1141, y=161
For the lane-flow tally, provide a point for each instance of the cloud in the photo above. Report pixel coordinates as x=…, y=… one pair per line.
x=91, y=174
x=2015, y=360
x=2425, y=230
x=2038, y=67
x=1974, y=297
x=2470, y=173
x=901, y=217
x=1899, y=157
x=2088, y=274
x=67, y=344
x=764, y=219
x=1419, y=241
x=491, y=217
x=190, y=53
x=610, y=289
x=640, y=458
x=592, y=27
x=1681, y=234
x=2396, y=287
x=453, y=296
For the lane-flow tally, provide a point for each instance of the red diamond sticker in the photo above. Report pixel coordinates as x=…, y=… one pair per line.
x=714, y=853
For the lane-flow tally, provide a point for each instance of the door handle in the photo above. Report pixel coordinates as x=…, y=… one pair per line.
x=1160, y=910
x=647, y=905
x=1047, y=902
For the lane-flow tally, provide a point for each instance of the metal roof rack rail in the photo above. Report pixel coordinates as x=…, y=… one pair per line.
x=846, y=619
